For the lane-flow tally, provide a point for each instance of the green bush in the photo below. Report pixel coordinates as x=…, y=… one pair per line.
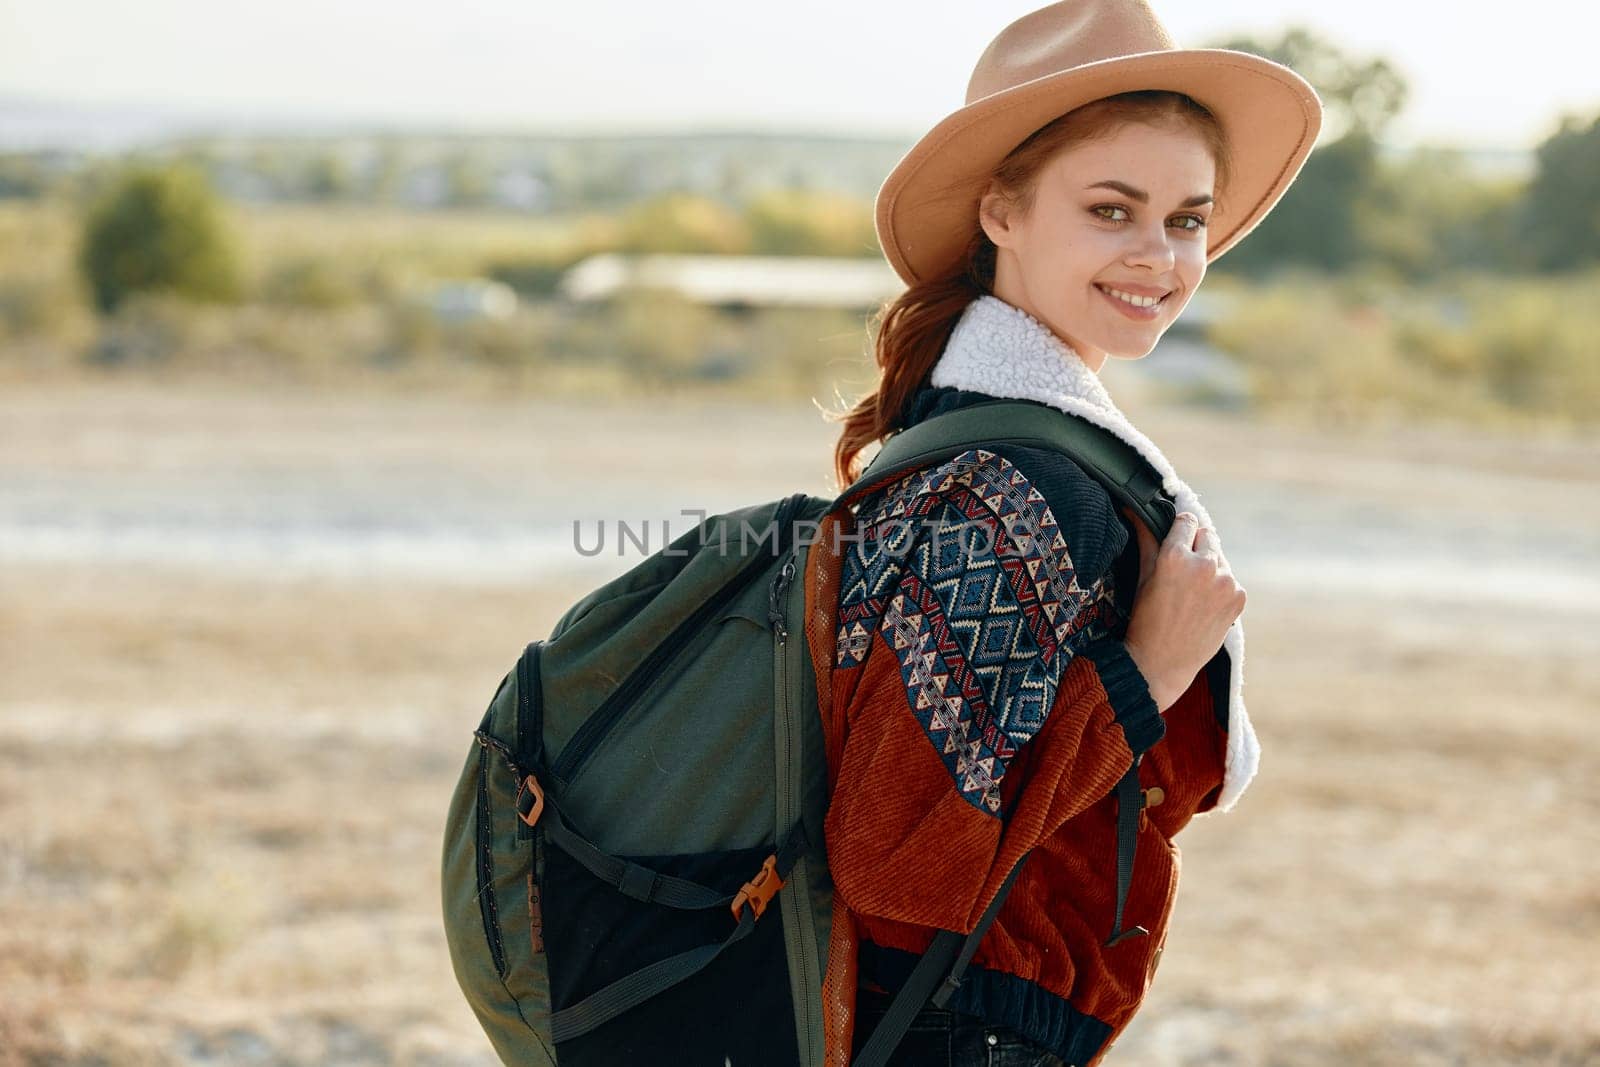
x=1353, y=348
x=537, y=274
x=790, y=222
x=1302, y=348
x=313, y=283
x=158, y=229
x=1537, y=343
x=683, y=223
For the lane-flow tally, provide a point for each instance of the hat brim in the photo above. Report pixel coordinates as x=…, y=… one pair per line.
x=1270, y=115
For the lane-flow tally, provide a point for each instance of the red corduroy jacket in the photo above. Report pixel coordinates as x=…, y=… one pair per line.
x=965, y=625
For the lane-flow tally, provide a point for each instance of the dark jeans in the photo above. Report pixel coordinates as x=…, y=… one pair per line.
x=940, y=1038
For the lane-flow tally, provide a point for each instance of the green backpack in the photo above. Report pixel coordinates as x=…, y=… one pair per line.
x=650, y=776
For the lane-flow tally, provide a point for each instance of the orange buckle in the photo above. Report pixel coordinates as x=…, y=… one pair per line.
x=760, y=890
x=530, y=784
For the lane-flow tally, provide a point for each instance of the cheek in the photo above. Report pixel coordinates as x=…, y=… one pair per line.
x=1068, y=252
x=1192, y=264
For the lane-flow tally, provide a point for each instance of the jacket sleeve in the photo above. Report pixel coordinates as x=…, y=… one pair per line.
x=984, y=691
x=1193, y=762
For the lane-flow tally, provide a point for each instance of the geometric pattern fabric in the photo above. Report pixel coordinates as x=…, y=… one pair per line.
x=961, y=573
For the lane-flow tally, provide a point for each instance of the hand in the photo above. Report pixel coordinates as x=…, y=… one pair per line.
x=1186, y=600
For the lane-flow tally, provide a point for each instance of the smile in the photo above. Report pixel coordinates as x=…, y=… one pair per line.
x=1140, y=308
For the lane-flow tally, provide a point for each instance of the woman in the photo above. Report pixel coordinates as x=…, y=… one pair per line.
x=982, y=696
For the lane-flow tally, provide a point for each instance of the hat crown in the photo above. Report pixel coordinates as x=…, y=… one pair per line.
x=1062, y=36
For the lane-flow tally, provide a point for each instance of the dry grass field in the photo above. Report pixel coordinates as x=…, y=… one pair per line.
x=221, y=791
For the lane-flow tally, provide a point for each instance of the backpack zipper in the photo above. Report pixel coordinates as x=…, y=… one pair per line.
x=485, y=868
x=796, y=907
x=776, y=615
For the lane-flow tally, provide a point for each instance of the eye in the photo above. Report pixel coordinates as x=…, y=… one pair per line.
x=1109, y=207
x=1199, y=223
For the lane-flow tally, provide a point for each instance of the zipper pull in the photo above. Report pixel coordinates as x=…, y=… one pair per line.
x=775, y=605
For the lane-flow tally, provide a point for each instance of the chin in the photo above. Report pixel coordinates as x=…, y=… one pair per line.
x=1131, y=353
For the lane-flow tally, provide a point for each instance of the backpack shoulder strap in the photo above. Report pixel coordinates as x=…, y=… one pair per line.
x=1115, y=464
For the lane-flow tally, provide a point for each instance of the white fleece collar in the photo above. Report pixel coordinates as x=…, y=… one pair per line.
x=1000, y=350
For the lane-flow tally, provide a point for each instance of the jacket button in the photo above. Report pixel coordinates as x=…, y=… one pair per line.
x=992, y=1039
x=1154, y=795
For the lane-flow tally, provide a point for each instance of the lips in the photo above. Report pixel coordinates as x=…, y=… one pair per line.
x=1132, y=289
x=1139, y=312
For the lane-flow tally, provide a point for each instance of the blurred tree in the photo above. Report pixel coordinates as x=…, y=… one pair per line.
x=327, y=176
x=791, y=222
x=1359, y=95
x=1428, y=215
x=466, y=180
x=1562, y=204
x=1316, y=222
x=158, y=228
x=684, y=223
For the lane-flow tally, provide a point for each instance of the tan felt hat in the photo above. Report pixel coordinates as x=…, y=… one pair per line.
x=1064, y=56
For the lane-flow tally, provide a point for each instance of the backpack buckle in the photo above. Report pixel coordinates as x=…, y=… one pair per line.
x=759, y=891
x=530, y=800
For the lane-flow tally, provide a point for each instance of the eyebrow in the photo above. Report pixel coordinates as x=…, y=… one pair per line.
x=1143, y=197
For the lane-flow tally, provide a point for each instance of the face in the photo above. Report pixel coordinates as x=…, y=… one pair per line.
x=1126, y=214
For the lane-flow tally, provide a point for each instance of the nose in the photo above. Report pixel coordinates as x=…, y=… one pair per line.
x=1152, y=250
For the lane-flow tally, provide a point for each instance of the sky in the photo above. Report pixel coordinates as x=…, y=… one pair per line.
x=882, y=67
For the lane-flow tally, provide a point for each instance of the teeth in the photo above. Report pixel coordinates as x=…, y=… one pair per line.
x=1136, y=301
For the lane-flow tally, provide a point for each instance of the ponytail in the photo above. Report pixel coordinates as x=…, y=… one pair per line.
x=913, y=330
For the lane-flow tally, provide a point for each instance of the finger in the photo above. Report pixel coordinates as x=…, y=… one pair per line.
x=1183, y=529
x=1205, y=542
